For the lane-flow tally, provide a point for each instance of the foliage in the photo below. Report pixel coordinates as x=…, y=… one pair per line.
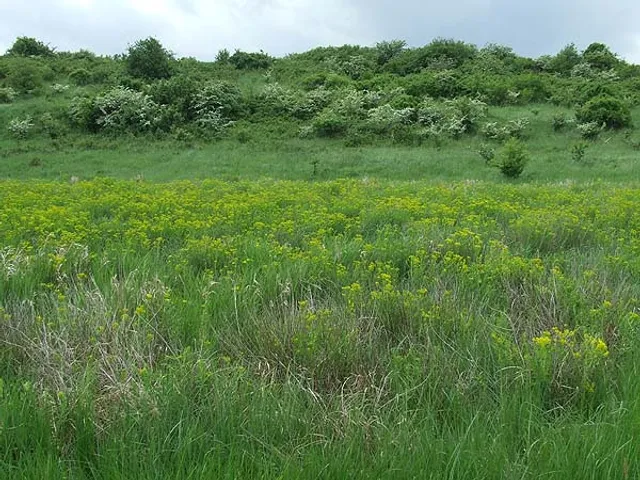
x=221, y=97
x=30, y=47
x=25, y=77
x=330, y=123
x=487, y=153
x=180, y=93
x=81, y=77
x=453, y=117
x=578, y=152
x=20, y=128
x=559, y=122
x=512, y=129
x=565, y=60
x=599, y=57
x=7, y=95
x=149, y=60
x=388, y=50
x=513, y=158
x=590, y=130
x=251, y=61
x=605, y=110
x=117, y=111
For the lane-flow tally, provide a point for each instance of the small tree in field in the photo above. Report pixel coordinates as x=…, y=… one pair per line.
x=513, y=158
x=149, y=60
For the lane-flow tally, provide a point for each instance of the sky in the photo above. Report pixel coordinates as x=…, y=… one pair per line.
x=200, y=28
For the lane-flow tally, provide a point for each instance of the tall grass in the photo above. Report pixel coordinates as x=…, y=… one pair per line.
x=334, y=330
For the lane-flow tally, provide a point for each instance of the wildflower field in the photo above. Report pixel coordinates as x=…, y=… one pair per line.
x=344, y=329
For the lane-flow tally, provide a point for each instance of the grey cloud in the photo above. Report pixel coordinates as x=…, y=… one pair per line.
x=199, y=27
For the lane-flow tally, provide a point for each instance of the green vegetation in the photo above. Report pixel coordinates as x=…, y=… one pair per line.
x=310, y=266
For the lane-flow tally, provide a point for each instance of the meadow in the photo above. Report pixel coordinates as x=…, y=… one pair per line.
x=353, y=262
x=342, y=329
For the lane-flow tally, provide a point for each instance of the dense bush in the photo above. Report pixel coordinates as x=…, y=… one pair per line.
x=30, y=47
x=119, y=110
x=388, y=50
x=513, y=158
x=20, y=128
x=222, y=97
x=25, y=77
x=512, y=129
x=149, y=60
x=605, y=110
x=451, y=117
x=600, y=57
x=179, y=92
x=80, y=77
x=7, y=94
x=251, y=61
x=330, y=123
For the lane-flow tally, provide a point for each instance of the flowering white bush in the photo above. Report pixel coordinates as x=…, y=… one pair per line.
x=7, y=95
x=20, y=128
x=59, y=88
x=385, y=117
x=122, y=109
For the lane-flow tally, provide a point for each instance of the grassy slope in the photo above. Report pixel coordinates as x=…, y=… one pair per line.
x=263, y=155
x=230, y=377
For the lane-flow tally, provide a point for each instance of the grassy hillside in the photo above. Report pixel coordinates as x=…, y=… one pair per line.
x=316, y=266
x=386, y=111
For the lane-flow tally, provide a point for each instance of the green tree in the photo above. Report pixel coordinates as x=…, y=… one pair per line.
x=565, y=60
x=600, y=57
x=149, y=60
x=30, y=47
x=389, y=49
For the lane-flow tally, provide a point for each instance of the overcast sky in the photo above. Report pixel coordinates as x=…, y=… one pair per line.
x=199, y=28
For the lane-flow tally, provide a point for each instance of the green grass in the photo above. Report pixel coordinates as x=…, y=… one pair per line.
x=345, y=329
x=274, y=152
x=297, y=308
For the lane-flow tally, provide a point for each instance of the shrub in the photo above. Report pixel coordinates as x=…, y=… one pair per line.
x=324, y=79
x=590, y=130
x=385, y=118
x=122, y=110
x=451, y=117
x=7, y=94
x=276, y=100
x=387, y=50
x=59, y=88
x=578, y=152
x=81, y=114
x=600, y=57
x=179, y=92
x=512, y=129
x=605, y=110
x=251, y=61
x=149, y=60
x=330, y=123
x=80, y=77
x=20, y=128
x=513, y=158
x=223, y=56
x=487, y=153
x=30, y=47
x=213, y=123
x=221, y=97
x=25, y=77
x=559, y=122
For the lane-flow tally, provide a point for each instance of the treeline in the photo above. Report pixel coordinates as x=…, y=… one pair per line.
x=439, y=90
